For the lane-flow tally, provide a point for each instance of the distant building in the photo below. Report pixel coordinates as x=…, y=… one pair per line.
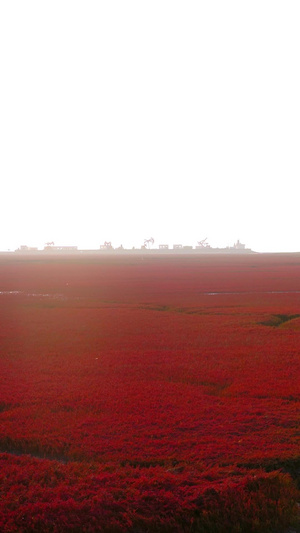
x=106, y=246
x=163, y=247
x=177, y=246
x=239, y=246
x=24, y=248
x=60, y=248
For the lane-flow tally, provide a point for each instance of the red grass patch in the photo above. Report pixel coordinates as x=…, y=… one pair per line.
x=167, y=387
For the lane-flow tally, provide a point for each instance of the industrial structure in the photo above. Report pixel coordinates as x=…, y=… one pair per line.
x=202, y=246
x=106, y=246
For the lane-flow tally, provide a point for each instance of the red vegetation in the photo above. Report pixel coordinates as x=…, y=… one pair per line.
x=149, y=393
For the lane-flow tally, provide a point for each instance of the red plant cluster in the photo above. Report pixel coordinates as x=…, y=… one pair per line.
x=149, y=393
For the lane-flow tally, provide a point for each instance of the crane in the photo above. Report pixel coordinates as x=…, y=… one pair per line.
x=203, y=243
x=147, y=242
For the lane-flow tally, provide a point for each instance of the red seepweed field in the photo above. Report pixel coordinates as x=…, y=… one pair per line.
x=149, y=393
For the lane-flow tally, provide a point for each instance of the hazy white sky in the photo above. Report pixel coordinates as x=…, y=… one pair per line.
x=122, y=120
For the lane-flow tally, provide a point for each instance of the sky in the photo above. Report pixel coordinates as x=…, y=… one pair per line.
x=177, y=120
